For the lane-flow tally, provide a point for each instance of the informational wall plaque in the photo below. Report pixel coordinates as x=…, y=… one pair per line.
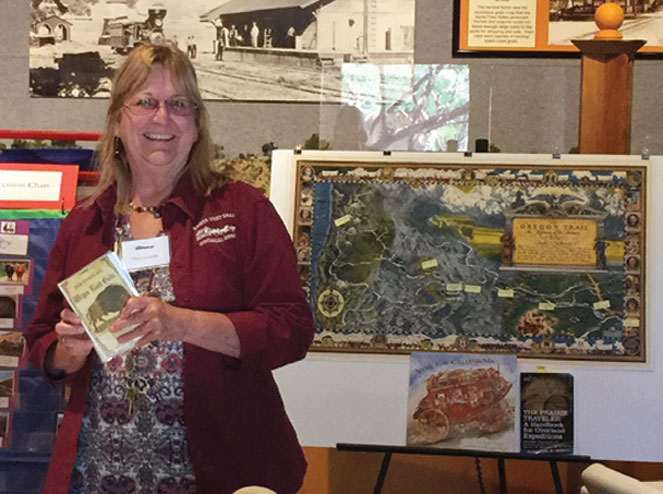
x=544, y=261
x=541, y=26
x=507, y=23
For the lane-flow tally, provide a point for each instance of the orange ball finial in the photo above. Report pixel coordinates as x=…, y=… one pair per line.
x=608, y=17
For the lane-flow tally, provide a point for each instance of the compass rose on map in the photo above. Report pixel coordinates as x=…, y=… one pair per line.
x=330, y=303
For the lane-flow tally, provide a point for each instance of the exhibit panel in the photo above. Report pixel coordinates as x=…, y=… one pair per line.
x=40, y=187
x=329, y=411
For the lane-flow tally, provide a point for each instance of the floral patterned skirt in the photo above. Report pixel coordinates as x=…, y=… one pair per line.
x=136, y=447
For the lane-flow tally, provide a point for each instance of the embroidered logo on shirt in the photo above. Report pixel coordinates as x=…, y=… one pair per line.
x=208, y=230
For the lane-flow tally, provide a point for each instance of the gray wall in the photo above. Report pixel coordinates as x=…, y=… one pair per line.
x=523, y=105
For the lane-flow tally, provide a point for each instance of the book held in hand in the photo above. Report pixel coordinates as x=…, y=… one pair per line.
x=97, y=294
x=546, y=413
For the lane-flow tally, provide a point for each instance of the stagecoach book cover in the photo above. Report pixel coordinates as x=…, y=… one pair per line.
x=462, y=401
x=546, y=413
x=97, y=294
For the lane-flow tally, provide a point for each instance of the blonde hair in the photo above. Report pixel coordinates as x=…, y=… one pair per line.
x=127, y=80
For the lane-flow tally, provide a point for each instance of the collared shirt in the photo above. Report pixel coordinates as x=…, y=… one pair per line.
x=230, y=253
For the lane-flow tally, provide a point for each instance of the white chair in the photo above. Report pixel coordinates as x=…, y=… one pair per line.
x=599, y=479
x=254, y=489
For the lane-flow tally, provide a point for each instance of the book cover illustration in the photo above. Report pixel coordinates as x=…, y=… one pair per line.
x=97, y=294
x=462, y=401
x=546, y=413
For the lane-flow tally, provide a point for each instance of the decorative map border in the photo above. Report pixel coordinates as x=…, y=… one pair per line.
x=401, y=297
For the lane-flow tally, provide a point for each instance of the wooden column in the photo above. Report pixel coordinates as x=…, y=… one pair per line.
x=605, y=95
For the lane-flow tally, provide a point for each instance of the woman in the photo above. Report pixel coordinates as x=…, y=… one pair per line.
x=194, y=408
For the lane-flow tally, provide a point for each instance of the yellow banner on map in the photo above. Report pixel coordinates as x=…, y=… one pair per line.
x=555, y=241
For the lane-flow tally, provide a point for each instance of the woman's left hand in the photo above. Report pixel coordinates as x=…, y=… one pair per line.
x=155, y=320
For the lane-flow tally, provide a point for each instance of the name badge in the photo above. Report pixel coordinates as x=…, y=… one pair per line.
x=146, y=253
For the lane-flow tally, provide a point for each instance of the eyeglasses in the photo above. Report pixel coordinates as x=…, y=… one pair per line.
x=178, y=106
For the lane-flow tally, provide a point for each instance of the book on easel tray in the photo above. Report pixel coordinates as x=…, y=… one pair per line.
x=546, y=413
x=462, y=401
x=97, y=293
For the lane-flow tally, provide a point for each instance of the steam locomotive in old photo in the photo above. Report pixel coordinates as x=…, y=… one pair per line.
x=123, y=34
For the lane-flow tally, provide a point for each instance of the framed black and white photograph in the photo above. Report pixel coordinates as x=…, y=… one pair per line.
x=247, y=50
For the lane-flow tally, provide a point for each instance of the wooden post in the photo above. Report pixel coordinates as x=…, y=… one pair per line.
x=605, y=95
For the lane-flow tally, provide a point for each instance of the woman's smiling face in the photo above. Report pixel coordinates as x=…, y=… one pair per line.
x=156, y=140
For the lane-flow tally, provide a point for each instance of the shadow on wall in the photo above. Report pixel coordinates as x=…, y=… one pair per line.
x=349, y=132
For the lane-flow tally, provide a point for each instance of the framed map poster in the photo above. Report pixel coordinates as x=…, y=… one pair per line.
x=538, y=260
x=544, y=27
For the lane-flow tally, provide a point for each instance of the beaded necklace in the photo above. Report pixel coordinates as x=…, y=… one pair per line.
x=155, y=210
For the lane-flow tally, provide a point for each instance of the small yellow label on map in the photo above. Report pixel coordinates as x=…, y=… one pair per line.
x=454, y=287
x=603, y=304
x=632, y=322
x=430, y=264
x=342, y=220
x=541, y=368
x=472, y=288
x=546, y=306
x=505, y=293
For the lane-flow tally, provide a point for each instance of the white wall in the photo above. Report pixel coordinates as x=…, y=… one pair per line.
x=361, y=398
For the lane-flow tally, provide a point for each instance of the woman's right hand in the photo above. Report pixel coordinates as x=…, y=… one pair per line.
x=73, y=344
